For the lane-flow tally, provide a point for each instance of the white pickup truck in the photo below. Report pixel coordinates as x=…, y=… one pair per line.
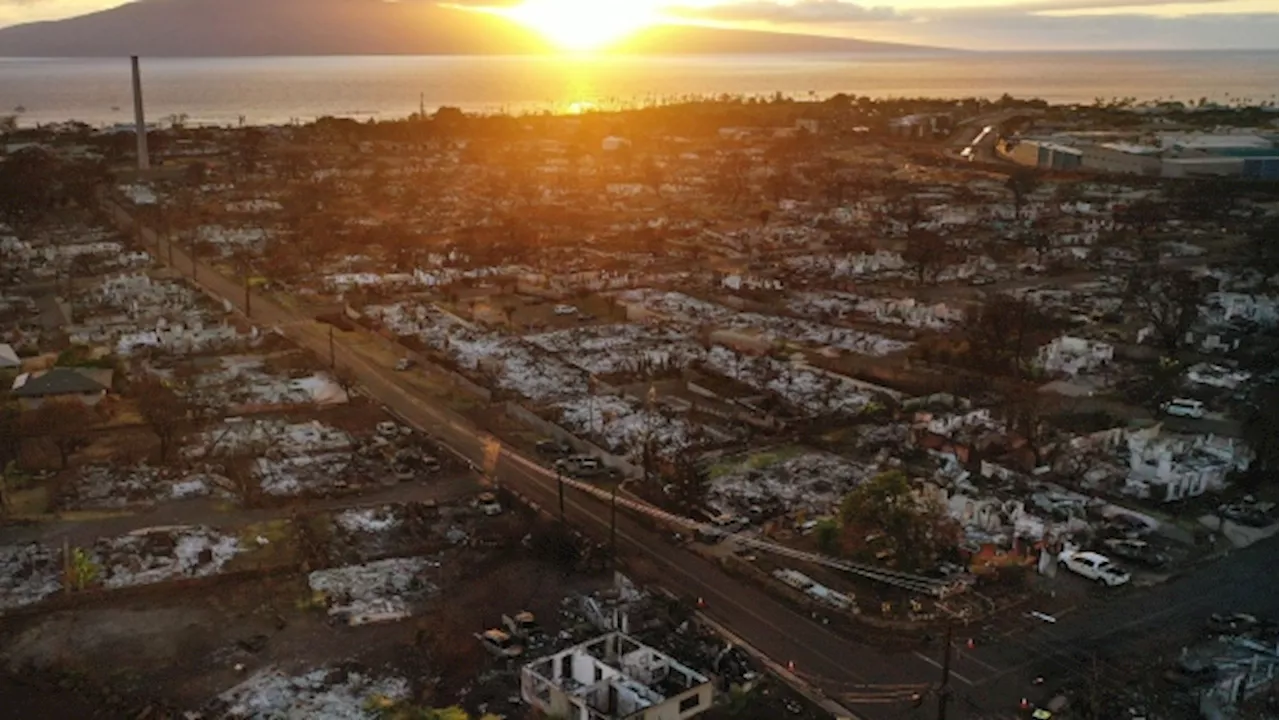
x=1093, y=566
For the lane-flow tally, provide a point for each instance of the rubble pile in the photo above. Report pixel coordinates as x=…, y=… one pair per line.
x=304, y=474
x=807, y=390
x=153, y=555
x=364, y=534
x=622, y=348
x=515, y=366
x=28, y=574
x=243, y=381
x=330, y=693
x=381, y=591
x=621, y=425
x=106, y=486
x=813, y=482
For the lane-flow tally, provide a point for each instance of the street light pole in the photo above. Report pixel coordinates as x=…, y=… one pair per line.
x=248, y=311
x=944, y=690
x=332, y=359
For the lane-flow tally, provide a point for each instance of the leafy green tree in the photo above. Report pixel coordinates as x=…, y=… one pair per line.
x=915, y=530
x=827, y=535
x=83, y=570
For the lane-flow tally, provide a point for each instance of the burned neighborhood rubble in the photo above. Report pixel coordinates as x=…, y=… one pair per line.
x=379, y=418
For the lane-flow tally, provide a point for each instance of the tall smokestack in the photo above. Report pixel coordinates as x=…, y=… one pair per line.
x=144, y=160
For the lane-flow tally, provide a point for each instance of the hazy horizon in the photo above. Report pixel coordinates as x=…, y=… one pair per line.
x=277, y=89
x=974, y=25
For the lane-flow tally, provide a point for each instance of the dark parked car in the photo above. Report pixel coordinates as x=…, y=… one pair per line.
x=1137, y=551
x=554, y=448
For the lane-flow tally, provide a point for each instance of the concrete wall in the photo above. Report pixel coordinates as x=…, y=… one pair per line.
x=670, y=709
x=1105, y=159
x=1238, y=535
x=1202, y=167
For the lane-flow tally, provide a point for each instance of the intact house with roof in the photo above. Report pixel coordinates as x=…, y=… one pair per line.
x=611, y=678
x=87, y=385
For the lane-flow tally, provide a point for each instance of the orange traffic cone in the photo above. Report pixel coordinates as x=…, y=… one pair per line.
x=1024, y=705
x=701, y=603
x=970, y=645
x=791, y=666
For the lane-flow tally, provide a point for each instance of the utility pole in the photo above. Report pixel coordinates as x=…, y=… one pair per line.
x=248, y=312
x=944, y=690
x=560, y=491
x=613, y=526
x=332, y=359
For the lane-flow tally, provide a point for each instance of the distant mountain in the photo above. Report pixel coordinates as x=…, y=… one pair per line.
x=196, y=28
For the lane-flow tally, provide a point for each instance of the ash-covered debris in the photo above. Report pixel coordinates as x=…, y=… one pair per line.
x=381, y=591
x=811, y=481
x=328, y=693
x=28, y=574
x=158, y=554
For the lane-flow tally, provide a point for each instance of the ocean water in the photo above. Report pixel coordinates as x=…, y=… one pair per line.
x=271, y=90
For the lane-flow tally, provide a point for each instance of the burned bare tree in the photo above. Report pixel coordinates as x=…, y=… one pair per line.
x=1170, y=302
x=240, y=469
x=63, y=423
x=346, y=379
x=732, y=177
x=1000, y=335
x=926, y=252
x=163, y=410
x=1021, y=182
x=690, y=482
x=1026, y=408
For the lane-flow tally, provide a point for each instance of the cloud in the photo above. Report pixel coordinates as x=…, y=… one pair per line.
x=988, y=30
x=803, y=12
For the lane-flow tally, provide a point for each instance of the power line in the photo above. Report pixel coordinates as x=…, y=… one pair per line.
x=906, y=581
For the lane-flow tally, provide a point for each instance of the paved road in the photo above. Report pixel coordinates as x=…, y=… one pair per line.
x=833, y=663
x=989, y=679
x=1088, y=639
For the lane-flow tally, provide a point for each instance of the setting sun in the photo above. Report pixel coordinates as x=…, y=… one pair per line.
x=584, y=24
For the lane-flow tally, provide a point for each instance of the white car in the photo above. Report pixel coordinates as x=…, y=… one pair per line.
x=1182, y=407
x=1093, y=566
x=565, y=310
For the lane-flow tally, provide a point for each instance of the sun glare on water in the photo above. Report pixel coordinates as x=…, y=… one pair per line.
x=584, y=24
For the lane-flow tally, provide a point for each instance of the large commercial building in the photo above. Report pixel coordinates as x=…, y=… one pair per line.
x=1246, y=155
